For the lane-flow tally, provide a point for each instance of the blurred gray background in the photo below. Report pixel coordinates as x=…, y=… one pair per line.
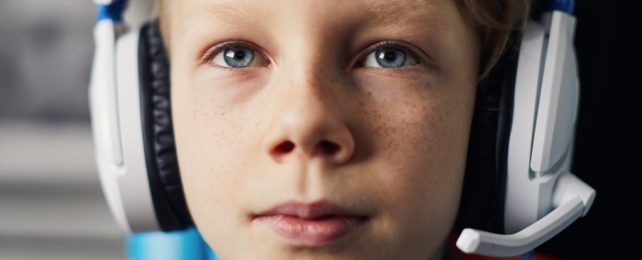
x=51, y=203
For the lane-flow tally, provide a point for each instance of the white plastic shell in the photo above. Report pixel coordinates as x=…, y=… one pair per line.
x=520, y=193
x=546, y=96
x=542, y=197
x=134, y=184
x=117, y=126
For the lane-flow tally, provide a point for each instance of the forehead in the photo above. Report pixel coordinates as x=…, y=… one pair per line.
x=374, y=11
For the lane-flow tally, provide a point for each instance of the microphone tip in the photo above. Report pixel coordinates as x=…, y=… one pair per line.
x=469, y=240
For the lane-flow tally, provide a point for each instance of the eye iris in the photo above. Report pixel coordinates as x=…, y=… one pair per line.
x=390, y=57
x=238, y=57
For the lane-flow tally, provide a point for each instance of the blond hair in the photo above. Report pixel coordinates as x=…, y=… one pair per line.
x=494, y=21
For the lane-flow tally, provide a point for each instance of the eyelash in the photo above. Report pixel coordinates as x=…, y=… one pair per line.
x=389, y=44
x=211, y=53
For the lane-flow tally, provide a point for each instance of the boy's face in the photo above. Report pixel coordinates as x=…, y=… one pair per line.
x=364, y=105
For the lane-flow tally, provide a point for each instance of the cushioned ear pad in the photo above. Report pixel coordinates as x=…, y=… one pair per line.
x=482, y=202
x=158, y=135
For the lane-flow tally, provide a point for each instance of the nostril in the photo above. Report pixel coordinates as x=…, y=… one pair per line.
x=328, y=147
x=284, y=147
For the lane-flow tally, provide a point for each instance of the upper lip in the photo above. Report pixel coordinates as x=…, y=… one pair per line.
x=315, y=210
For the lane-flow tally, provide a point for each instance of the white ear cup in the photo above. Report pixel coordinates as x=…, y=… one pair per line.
x=116, y=122
x=104, y=117
x=134, y=185
x=546, y=94
x=517, y=212
x=542, y=196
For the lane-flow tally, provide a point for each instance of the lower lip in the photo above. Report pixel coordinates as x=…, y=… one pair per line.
x=310, y=232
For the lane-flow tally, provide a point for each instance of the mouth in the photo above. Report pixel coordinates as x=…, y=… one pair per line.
x=315, y=224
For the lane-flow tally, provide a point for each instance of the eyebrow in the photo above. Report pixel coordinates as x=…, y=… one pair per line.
x=387, y=12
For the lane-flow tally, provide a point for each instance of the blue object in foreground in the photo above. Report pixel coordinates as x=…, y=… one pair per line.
x=175, y=245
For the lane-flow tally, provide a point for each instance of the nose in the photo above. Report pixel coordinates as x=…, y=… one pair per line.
x=308, y=124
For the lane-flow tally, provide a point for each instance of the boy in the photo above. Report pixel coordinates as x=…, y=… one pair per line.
x=328, y=129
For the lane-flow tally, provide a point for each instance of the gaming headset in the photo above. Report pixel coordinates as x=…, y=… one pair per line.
x=517, y=181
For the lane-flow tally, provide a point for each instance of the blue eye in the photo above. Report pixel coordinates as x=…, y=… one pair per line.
x=235, y=57
x=388, y=57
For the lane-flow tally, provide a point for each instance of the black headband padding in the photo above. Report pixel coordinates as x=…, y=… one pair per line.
x=158, y=135
x=482, y=202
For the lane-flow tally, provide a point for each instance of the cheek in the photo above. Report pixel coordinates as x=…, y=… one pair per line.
x=416, y=121
x=423, y=147
x=419, y=134
x=212, y=143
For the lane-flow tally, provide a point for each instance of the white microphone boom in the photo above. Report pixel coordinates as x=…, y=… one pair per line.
x=573, y=199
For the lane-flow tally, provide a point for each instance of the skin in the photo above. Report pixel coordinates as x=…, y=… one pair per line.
x=251, y=138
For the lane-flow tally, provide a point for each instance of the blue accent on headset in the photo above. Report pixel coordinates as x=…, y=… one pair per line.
x=185, y=244
x=113, y=11
x=567, y=6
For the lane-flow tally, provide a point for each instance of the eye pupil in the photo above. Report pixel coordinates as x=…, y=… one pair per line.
x=239, y=57
x=390, y=57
